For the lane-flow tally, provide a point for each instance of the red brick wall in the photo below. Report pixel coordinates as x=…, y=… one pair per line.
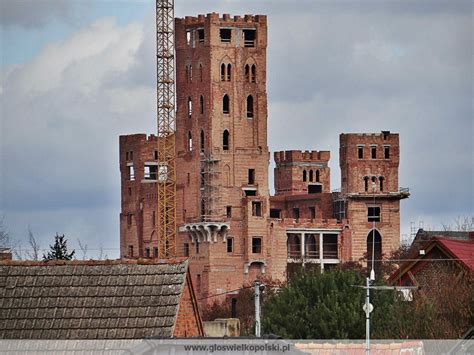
x=291, y=165
x=188, y=323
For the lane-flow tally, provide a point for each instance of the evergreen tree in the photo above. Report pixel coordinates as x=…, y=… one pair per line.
x=326, y=306
x=59, y=250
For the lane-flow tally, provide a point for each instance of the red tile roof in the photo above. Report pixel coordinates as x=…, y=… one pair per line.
x=463, y=250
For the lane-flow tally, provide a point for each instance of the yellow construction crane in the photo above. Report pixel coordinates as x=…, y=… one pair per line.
x=166, y=128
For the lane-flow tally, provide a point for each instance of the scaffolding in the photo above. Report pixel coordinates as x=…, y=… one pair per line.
x=211, y=209
x=339, y=205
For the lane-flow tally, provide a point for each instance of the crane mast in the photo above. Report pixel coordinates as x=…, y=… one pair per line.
x=166, y=120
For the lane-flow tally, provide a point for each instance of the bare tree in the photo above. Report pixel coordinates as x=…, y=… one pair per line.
x=4, y=236
x=34, y=250
x=102, y=256
x=460, y=224
x=83, y=248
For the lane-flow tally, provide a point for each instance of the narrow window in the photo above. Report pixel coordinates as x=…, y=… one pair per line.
x=190, y=142
x=129, y=191
x=147, y=252
x=225, y=140
x=153, y=219
x=202, y=140
x=200, y=72
x=130, y=251
x=311, y=175
x=131, y=173
x=201, y=35
x=360, y=152
x=374, y=152
x=296, y=213
x=155, y=252
x=201, y=104
x=256, y=245
x=312, y=212
x=186, y=249
x=188, y=37
x=222, y=72
x=256, y=208
x=228, y=211
x=366, y=184
x=229, y=72
x=250, y=106
x=187, y=73
x=225, y=34
x=254, y=73
x=381, y=179
x=247, y=72
x=126, y=156
x=373, y=214
x=131, y=155
x=249, y=38
x=198, y=282
x=317, y=175
x=230, y=245
x=156, y=155
x=304, y=175
x=386, y=152
x=129, y=219
x=225, y=104
x=197, y=247
x=251, y=177
x=190, y=106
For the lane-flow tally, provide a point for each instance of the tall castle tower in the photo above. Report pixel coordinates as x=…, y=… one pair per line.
x=222, y=152
x=369, y=183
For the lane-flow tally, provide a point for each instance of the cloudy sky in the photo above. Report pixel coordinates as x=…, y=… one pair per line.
x=76, y=74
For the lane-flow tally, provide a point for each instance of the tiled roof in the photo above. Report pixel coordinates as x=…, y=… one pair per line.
x=423, y=235
x=463, y=250
x=90, y=300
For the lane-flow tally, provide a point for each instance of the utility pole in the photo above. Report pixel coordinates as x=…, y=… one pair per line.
x=258, y=287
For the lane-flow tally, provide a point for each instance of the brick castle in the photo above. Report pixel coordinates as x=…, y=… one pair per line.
x=230, y=227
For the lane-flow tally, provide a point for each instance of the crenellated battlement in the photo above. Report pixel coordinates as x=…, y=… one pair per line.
x=302, y=156
x=214, y=18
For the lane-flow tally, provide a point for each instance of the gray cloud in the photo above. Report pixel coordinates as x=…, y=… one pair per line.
x=34, y=13
x=332, y=68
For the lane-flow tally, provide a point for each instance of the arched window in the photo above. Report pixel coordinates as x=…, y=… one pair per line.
x=200, y=72
x=311, y=175
x=190, y=141
x=381, y=179
x=250, y=106
x=229, y=72
x=222, y=72
x=254, y=74
x=374, y=244
x=225, y=140
x=190, y=106
x=190, y=73
x=366, y=183
x=304, y=175
x=247, y=72
x=225, y=104
x=202, y=140
x=317, y=175
x=201, y=104
x=374, y=183
x=294, y=246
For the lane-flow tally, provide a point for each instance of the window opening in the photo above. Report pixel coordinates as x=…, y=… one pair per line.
x=225, y=104
x=249, y=38
x=226, y=35
x=251, y=176
x=256, y=245
x=249, y=106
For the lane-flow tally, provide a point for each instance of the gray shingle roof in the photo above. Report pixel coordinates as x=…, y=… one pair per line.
x=90, y=300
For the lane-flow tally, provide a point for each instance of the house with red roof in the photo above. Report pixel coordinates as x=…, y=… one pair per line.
x=436, y=260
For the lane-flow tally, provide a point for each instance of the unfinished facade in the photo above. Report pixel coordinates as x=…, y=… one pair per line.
x=230, y=227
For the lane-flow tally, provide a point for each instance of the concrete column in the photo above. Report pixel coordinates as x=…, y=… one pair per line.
x=321, y=263
x=303, y=235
